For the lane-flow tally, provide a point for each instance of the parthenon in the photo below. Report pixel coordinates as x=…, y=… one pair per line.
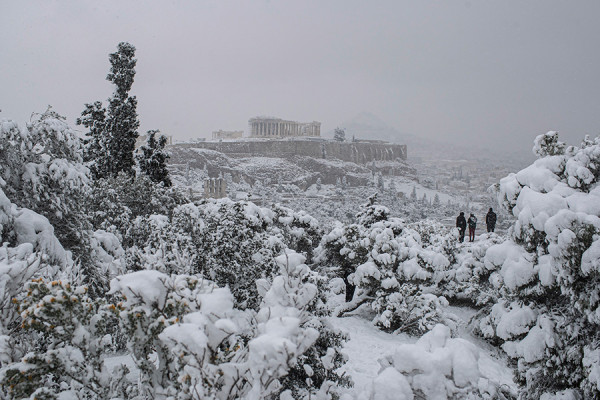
x=267, y=127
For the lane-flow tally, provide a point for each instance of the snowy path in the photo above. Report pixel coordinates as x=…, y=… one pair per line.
x=367, y=345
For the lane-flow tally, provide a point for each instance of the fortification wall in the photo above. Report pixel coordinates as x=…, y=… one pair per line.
x=357, y=152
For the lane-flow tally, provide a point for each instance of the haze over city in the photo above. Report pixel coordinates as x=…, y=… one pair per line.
x=483, y=73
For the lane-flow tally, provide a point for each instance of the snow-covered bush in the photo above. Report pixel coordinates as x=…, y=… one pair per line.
x=163, y=244
x=189, y=341
x=315, y=372
x=41, y=168
x=301, y=232
x=71, y=339
x=439, y=367
x=233, y=244
x=388, y=264
x=467, y=278
x=548, y=271
x=230, y=243
x=29, y=250
x=115, y=202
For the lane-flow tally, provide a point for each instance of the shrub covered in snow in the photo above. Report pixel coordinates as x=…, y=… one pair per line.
x=467, y=278
x=186, y=338
x=70, y=329
x=189, y=341
x=389, y=265
x=315, y=372
x=231, y=243
x=115, y=202
x=548, y=271
x=41, y=168
x=30, y=250
x=300, y=231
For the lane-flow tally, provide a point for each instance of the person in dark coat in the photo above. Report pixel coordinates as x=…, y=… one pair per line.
x=472, y=225
x=461, y=224
x=490, y=220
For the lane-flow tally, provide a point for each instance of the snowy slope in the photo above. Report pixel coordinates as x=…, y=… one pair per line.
x=368, y=345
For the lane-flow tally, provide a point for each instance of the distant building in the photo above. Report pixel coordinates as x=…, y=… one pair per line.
x=215, y=188
x=220, y=134
x=275, y=128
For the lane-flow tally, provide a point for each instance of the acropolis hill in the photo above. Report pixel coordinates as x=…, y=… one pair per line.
x=275, y=137
x=359, y=152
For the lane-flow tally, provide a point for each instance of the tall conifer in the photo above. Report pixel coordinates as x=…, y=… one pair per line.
x=113, y=131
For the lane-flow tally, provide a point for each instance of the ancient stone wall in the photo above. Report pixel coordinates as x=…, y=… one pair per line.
x=357, y=152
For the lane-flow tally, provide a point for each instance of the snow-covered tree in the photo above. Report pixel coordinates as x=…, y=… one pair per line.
x=206, y=348
x=42, y=169
x=389, y=266
x=121, y=121
x=413, y=194
x=113, y=131
x=96, y=142
x=339, y=134
x=548, y=271
x=115, y=202
x=152, y=158
x=68, y=358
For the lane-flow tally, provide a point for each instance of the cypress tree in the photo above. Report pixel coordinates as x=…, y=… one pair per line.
x=122, y=121
x=113, y=131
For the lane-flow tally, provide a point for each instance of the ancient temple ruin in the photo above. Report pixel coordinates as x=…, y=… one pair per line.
x=215, y=188
x=221, y=134
x=267, y=127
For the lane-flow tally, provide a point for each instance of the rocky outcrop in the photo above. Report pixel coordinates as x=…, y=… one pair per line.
x=356, y=152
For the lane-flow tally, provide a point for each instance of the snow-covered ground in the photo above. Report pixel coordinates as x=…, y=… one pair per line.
x=367, y=345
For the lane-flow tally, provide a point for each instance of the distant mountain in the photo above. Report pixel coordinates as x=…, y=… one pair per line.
x=367, y=125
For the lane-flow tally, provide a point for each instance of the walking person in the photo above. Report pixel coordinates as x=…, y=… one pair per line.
x=490, y=220
x=461, y=224
x=472, y=225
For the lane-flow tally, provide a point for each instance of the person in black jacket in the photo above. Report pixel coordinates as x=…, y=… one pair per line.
x=461, y=224
x=472, y=225
x=490, y=220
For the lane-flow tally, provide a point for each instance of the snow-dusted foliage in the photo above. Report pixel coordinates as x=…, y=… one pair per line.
x=315, y=373
x=467, y=278
x=116, y=202
x=548, y=271
x=231, y=243
x=30, y=250
x=186, y=338
x=189, y=341
x=438, y=367
x=387, y=262
x=113, y=130
x=152, y=158
x=71, y=340
x=300, y=231
x=42, y=169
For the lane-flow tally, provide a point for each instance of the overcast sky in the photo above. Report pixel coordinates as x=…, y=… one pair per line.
x=484, y=72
